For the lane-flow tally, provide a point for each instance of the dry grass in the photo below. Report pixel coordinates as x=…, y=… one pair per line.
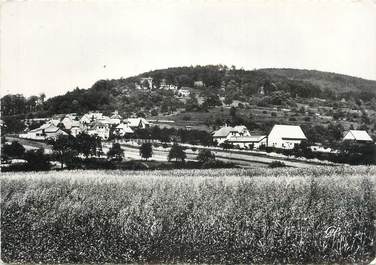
x=196, y=216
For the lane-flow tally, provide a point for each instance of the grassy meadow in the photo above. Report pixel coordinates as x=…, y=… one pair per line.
x=317, y=215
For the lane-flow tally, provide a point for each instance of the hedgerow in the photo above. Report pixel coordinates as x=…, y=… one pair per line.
x=284, y=215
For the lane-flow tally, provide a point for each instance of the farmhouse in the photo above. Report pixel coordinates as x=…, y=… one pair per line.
x=123, y=130
x=226, y=132
x=248, y=142
x=139, y=123
x=285, y=136
x=44, y=132
x=359, y=136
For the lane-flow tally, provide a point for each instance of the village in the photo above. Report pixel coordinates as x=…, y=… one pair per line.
x=231, y=143
x=233, y=139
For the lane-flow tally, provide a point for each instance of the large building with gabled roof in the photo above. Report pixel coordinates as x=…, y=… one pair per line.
x=285, y=136
x=359, y=136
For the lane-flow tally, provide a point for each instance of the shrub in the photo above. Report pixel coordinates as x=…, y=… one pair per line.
x=146, y=151
x=205, y=156
x=37, y=160
x=14, y=149
x=275, y=164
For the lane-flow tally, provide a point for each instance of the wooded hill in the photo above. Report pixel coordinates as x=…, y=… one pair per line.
x=270, y=86
x=234, y=84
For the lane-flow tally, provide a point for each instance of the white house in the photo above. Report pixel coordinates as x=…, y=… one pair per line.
x=285, y=136
x=359, y=136
x=75, y=128
x=248, y=142
x=44, y=132
x=90, y=117
x=68, y=121
x=226, y=132
x=115, y=118
x=140, y=123
x=123, y=130
x=163, y=85
x=100, y=129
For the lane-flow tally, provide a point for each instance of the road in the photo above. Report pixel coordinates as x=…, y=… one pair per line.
x=243, y=159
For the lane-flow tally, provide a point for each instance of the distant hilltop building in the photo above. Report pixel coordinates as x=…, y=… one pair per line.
x=261, y=90
x=198, y=83
x=165, y=86
x=184, y=92
x=145, y=83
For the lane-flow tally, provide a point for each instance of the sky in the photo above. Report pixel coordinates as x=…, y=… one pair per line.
x=52, y=47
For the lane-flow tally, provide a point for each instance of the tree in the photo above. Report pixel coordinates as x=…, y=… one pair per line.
x=115, y=152
x=213, y=100
x=65, y=148
x=177, y=153
x=88, y=145
x=14, y=149
x=205, y=156
x=37, y=160
x=146, y=150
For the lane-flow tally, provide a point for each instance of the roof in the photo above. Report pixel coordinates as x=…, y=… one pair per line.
x=125, y=128
x=224, y=131
x=104, y=119
x=358, y=135
x=240, y=128
x=247, y=139
x=47, y=127
x=116, y=116
x=96, y=124
x=135, y=122
x=75, y=124
x=287, y=131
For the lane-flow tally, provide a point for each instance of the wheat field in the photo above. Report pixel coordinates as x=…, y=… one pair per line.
x=316, y=215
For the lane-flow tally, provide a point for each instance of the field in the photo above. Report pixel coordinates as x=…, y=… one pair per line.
x=315, y=215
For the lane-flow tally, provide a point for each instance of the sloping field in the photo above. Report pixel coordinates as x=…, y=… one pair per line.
x=315, y=215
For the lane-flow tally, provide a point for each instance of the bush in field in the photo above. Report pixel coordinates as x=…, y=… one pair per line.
x=146, y=150
x=177, y=153
x=227, y=216
x=14, y=149
x=275, y=164
x=115, y=152
x=205, y=156
x=88, y=145
x=37, y=160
